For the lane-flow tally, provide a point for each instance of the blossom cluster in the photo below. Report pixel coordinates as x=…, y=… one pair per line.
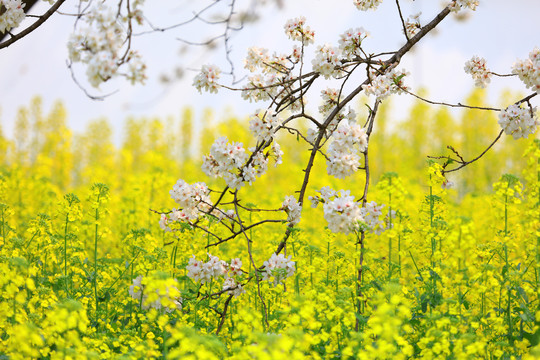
x=457, y=5
x=264, y=124
x=327, y=61
x=528, y=70
x=518, y=121
x=260, y=88
x=190, y=196
x=293, y=210
x=194, y=201
x=330, y=99
x=278, y=266
x=149, y=296
x=341, y=212
x=224, y=161
x=207, y=79
x=228, y=161
x=351, y=41
x=101, y=46
x=344, y=215
x=276, y=153
x=476, y=67
x=256, y=58
x=367, y=4
x=412, y=25
x=274, y=80
x=12, y=15
x=372, y=217
x=349, y=140
x=216, y=268
x=386, y=84
x=297, y=30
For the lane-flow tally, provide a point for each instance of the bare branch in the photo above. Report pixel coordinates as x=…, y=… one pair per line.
x=463, y=164
x=458, y=105
x=223, y=314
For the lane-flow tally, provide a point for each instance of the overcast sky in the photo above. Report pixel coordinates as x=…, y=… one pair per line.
x=36, y=65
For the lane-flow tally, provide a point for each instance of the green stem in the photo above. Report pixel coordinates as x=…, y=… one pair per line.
x=431, y=206
x=538, y=237
x=328, y=264
x=399, y=244
x=3, y=226
x=459, y=269
x=173, y=255
x=416, y=266
x=389, y=237
x=65, y=253
x=506, y=215
x=96, y=262
x=311, y=265
x=505, y=247
x=360, y=282
x=123, y=272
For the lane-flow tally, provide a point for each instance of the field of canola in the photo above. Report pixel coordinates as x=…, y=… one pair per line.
x=457, y=277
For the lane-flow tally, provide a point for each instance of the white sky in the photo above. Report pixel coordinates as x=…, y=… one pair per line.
x=497, y=31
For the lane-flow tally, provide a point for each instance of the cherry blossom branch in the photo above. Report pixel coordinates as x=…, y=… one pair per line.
x=402, y=21
x=196, y=16
x=215, y=205
x=252, y=261
x=501, y=75
x=242, y=231
x=283, y=242
x=390, y=63
x=223, y=314
x=257, y=210
x=464, y=163
x=396, y=58
x=129, y=31
x=227, y=39
x=458, y=105
x=69, y=65
x=285, y=91
x=371, y=120
x=34, y=26
x=227, y=21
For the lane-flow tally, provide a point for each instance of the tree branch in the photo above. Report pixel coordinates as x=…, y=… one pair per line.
x=34, y=26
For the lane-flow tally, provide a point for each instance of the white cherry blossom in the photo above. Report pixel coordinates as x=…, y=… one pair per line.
x=476, y=67
x=518, y=121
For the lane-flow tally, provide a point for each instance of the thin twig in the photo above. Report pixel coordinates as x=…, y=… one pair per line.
x=463, y=164
x=458, y=105
x=93, y=97
x=402, y=20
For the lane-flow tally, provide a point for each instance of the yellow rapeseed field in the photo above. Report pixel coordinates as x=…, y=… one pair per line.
x=86, y=272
